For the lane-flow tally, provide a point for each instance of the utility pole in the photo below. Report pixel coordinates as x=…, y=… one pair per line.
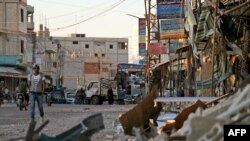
x=59, y=67
x=100, y=66
x=214, y=45
x=152, y=35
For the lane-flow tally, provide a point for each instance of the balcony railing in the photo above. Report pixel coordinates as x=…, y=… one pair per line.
x=30, y=25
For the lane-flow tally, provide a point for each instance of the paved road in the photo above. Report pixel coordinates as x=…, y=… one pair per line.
x=14, y=123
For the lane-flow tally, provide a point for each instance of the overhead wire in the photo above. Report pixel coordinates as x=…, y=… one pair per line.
x=92, y=17
x=71, y=13
x=61, y=3
x=81, y=16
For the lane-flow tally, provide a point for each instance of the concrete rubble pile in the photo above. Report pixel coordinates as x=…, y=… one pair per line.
x=207, y=124
x=203, y=121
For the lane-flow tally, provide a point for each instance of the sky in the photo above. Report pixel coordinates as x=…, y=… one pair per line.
x=94, y=18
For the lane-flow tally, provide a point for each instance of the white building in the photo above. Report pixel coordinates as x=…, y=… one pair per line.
x=86, y=59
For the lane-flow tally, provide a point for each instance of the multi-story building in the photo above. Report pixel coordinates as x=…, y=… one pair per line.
x=16, y=41
x=90, y=58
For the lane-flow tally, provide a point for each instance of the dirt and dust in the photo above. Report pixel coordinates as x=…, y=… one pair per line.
x=14, y=123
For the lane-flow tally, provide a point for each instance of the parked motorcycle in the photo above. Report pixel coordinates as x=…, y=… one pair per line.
x=1, y=98
x=21, y=101
x=7, y=97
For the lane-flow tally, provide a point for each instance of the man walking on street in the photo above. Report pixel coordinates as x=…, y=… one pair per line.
x=36, y=83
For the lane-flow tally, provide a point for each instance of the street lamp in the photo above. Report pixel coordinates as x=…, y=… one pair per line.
x=133, y=16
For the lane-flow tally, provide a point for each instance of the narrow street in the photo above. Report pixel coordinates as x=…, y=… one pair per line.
x=14, y=123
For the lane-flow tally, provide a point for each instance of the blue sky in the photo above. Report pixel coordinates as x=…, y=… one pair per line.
x=98, y=18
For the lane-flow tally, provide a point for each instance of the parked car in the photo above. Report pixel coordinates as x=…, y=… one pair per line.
x=70, y=97
x=58, y=97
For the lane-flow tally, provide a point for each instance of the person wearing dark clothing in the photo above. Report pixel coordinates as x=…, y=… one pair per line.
x=23, y=89
x=110, y=96
x=83, y=95
x=180, y=92
x=128, y=89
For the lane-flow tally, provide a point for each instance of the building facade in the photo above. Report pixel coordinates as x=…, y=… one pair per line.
x=85, y=59
x=21, y=47
x=16, y=41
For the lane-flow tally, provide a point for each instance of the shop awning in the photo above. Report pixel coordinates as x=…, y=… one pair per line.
x=12, y=72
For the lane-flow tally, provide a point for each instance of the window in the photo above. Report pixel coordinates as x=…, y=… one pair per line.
x=29, y=18
x=99, y=43
x=96, y=55
x=22, y=46
x=122, y=45
x=86, y=45
x=80, y=35
x=103, y=55
x=22, y=15
x=111, y=46
x=75, y=42
x=54, y=64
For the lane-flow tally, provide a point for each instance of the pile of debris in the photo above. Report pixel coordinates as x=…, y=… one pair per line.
x=204, y=121
x=208, y=124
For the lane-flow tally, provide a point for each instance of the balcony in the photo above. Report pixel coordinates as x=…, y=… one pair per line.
x=30, y=25
x=30, y=9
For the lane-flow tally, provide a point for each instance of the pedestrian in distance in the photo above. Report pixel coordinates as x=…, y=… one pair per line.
x=110, y=95
x=128, y=89
x=36, y=83
x=6, y=90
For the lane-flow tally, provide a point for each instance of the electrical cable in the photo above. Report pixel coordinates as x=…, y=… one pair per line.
x=92, y=17
x=71, y=13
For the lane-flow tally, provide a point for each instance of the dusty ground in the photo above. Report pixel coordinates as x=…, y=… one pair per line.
x=14, y=123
